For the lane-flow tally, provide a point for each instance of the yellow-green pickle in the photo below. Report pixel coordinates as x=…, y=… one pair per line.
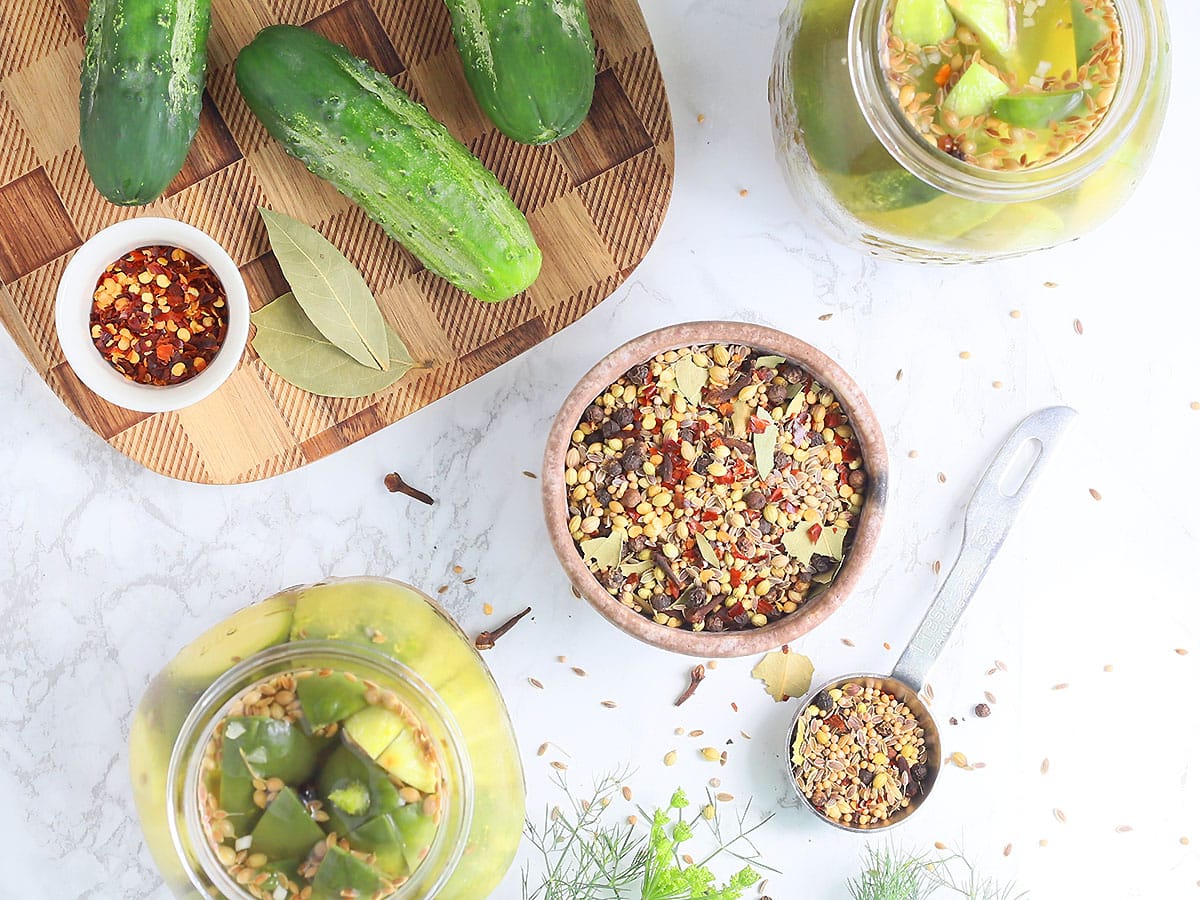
x=337, y=740
x=967, y=130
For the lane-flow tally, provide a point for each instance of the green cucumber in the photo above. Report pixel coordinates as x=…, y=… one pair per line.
x=351, y=126
x=286, y=830
x=530, y=63
x=141, y=89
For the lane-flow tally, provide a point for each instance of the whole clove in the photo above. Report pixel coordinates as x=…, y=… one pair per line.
x=397, y=485
x=487, y=639
x=697, y=676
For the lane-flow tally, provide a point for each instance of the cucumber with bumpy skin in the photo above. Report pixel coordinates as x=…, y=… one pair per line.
x=351, y=126
x=141, y=90
x=530, y=63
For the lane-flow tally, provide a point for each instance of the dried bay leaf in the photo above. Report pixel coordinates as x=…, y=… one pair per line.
x=769, y=362
x=690, y=379
x=797, y=403
x=764, y=446
x=637, y=567
x=292, y=347
x=784, y=674
x=604, y=551
x=330, y=290
x=801, y=547
x=707, y=551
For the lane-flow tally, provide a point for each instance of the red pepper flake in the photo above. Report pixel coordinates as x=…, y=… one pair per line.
x=943, y=75
x=814, y=532
x=159, y=315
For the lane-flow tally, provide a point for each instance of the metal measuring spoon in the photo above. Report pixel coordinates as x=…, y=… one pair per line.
x=989, y=517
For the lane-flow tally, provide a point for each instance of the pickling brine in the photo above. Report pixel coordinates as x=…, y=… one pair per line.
x=342, y=739
x=965, y=130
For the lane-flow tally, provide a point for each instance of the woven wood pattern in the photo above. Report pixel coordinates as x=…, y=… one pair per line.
x=595, y=201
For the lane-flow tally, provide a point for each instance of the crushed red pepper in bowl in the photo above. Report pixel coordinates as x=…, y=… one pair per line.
x=714, y=488
x=158, y=315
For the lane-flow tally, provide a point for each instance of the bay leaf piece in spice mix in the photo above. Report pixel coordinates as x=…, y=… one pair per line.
x=330, y=290
x=784, y=674
x=293, y=348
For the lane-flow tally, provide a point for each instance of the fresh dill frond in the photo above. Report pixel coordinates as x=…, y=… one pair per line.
x=583, y=857
x=890, y=874
x=973, y=885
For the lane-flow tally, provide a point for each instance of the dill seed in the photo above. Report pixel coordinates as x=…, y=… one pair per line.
x=578, y=671
x=899, y=374
x=939, y=845
x=632, y=820
x=470, y=580
x=989, y=696
x=1122, y=829
x=541, y=751
x=671, y=758
x=443, y=589
x=724, y=797
x=627, y=792
x=1001, y=666
x=609, y=704
x=1007, y=849
x=537, y=684
x=1181, y=651
x=1095, y=493
x=1078, y=327
x=695, y=733
x=561, y=659
x=825, y=317
x=528, y=474
x=941, y=477
x=679, y=731
x=743, y=734
x=848, y=642
x=1060, y=815
x=937, y=567
x=1045, y=765
x=561, y=766
x=1060, y=687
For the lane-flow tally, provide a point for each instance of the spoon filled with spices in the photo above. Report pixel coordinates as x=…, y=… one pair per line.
x=863, y=749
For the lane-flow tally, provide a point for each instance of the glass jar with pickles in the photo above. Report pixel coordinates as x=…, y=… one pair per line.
x=337, y=740
x=966, y=130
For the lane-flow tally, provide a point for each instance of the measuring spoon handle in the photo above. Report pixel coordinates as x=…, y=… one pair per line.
x=989, y=517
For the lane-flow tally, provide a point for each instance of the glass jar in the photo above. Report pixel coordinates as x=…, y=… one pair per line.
x=374, y=628
x=852, y=157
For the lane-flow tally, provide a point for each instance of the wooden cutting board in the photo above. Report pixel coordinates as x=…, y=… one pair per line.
x=595, y=201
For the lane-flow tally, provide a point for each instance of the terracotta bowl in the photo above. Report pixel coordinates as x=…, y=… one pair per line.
x=728, y=643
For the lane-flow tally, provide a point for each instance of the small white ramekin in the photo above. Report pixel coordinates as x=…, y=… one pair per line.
x=73, y=308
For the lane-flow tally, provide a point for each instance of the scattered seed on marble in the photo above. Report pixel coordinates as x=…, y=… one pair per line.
x=1182, y=651
x=912, y=454
x=1195, y=405
x=1045, y=765
x=939, y=845
x=561, y=659
x=941, y=476
x=632, y=820
x=488, y=609
x=712, y=754
x=1060, y=815
x=989, y=696
x=541, y=751
x=937, y=567
x=1016, y=314
x=743, y=193
x=561, y=766
x=711, y=664
x=1078, y=327
x=671, y=758
x=679, y=731
x=627, y=792
x=1108, y=667
x=899, y=374
x=960, y=760
x=1043, y=843
x=714, y=783
x=966, y=354
x=743, y=734
x=1095, y=493
x=537, y=684
x=1060, y=687
x=696, y=732
x=578, y=671
x=887, y=646
x=1001, y=666
x=997, y=384
x=724, y=797
x=825, y=317
x=443, y=589
x=848, y=642
x=1121, y=829
x=458, y=570
x=528, y=474
x=470, y=580
x=609, y=704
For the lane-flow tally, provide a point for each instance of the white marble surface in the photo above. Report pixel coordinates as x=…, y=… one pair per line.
x=90, y=613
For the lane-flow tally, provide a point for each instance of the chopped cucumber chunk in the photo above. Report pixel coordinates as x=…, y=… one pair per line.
x=1037, y=110
x=994, y=21
x=976, y=91
x=286, y=831
x=923, y=22
x=270, y=748
x=343, y=875
x=329, y=698
x=1087, y=31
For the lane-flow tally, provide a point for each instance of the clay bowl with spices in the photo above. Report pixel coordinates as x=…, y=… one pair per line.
x=152, y=314
x=715, y=488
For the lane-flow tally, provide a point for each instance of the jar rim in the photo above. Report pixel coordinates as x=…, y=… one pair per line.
x=183, y=774
x=1142, y=29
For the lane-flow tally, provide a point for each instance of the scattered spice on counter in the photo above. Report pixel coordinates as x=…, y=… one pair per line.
x=1095, y=493
x=487, y=639
x=989, y=696
x=528, y=474
x=1078, y=327
x=1061, y=816
x=714, y=488
x=578, y=671
x=397, y=485
x=1060, y=687
x=1045, y=766
x=959, y=759
x=158, y=315
x=848, y=642
x=537, y=684
x=697, y=676
x=859, y=755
